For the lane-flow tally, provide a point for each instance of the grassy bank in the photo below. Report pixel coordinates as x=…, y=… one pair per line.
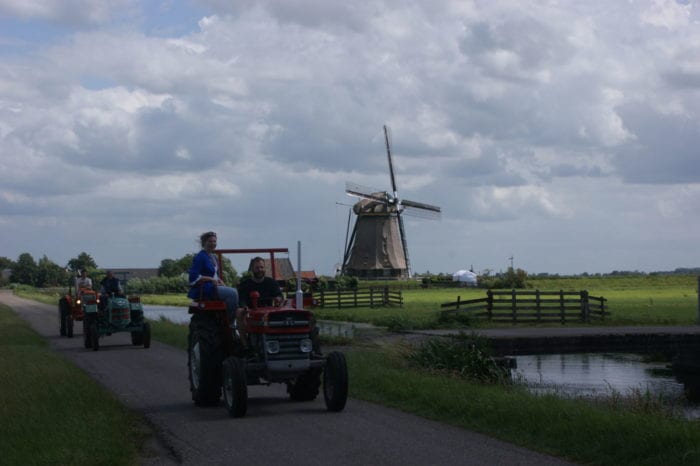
x=609, y=432
x=578, y=430
x=52, y=412
x=581, y=431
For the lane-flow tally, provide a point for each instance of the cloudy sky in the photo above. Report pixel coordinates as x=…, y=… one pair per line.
x=561, y=132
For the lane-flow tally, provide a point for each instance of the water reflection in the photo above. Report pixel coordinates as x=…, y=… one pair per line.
x=597, y=374
x=174, y=314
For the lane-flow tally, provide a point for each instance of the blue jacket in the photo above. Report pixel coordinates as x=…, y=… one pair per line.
x=202, y=265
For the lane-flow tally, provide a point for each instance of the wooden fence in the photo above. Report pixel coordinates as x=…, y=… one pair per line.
x=519, y=306
x=366, y=297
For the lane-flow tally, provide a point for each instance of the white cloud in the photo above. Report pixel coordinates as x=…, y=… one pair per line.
x=533, y=117
x=669, y=14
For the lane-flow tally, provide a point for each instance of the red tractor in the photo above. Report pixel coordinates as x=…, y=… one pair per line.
x=72, y=308
x=273, y=345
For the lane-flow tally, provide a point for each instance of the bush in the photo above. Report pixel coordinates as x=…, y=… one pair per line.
x=468, y=358
x=511, y=279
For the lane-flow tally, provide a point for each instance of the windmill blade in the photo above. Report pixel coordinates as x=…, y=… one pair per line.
x=404, y=244
x=421, y=213
x=391, y=165
x=348, y=248
x=364, y=192
x=420, y=209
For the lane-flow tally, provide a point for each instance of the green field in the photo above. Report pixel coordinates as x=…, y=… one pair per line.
x=632, y=300
x=622, y=430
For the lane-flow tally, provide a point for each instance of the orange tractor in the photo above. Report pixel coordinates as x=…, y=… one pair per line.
x=72, y=307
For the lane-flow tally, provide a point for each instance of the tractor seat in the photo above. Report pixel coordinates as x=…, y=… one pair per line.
x=206, y=305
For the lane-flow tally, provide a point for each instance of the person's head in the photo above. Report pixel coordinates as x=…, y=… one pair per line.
x=208, y=240
x=257, y=267
x=83, y=273
x=110, y=274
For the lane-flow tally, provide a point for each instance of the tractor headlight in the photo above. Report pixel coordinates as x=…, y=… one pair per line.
x=272, y=346
x=305, y=345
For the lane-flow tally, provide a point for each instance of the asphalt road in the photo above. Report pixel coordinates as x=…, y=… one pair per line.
x=275, y=431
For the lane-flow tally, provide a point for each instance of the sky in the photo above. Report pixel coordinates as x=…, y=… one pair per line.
x=562, y=134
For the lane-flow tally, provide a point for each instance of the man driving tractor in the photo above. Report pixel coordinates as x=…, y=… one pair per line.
x=270, y=292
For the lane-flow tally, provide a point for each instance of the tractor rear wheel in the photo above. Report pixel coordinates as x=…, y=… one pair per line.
x=235, y=387
x=146, y=335
x=305, y=387
x=62, y=313
x=204, y=359
x=335, y=381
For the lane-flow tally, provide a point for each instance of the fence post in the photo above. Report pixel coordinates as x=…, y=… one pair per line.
x=585, y=311
x=489, y=304
x=513, y=306
x=385, y=297
x=323, y=301
x=538, y=305
x=355, y=295
x=458, y=299
x=561, y=306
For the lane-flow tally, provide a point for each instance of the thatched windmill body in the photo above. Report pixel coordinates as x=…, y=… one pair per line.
x=377, y=247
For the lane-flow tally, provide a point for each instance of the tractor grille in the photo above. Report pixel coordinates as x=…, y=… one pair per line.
x=289, y=347
x=288, y=319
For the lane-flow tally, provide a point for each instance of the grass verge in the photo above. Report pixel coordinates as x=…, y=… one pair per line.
x=582, y=431
x=52, y=412
x=579, y=430
x=574, y=429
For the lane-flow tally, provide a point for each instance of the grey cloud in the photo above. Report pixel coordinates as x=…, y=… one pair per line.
x=665, y=149
x=67, y=12
x=307, y=13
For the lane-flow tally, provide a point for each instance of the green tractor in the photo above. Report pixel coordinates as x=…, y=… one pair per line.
x=116, y=312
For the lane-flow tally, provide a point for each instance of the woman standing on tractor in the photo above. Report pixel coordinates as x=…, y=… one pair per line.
x=205, y=280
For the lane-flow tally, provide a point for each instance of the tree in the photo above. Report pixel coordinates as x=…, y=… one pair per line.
x=175, y=267
x=25, y=270
x=169, y=268
x=5, y=263
x=49, y=273
x=83, y=261
x=229, y=274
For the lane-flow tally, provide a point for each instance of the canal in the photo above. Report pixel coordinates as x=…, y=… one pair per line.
x=605, y=374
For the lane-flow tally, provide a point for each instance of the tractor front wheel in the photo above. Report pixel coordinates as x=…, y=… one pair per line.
x=69, y=326
x=62, y=313
x=94, y=336
x=335, y=382
x=305, y=387
x=87, y=340
x=137, y=338
x=235, y=387
x=146, y=335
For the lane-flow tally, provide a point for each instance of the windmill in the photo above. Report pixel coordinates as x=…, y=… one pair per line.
x=377, y=246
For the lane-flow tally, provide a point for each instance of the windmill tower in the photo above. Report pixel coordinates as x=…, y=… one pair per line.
x=377, y=246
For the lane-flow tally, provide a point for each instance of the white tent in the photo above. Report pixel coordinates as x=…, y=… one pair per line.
x=465, y=276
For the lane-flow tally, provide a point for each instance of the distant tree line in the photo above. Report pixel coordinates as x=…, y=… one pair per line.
x=172, y=273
